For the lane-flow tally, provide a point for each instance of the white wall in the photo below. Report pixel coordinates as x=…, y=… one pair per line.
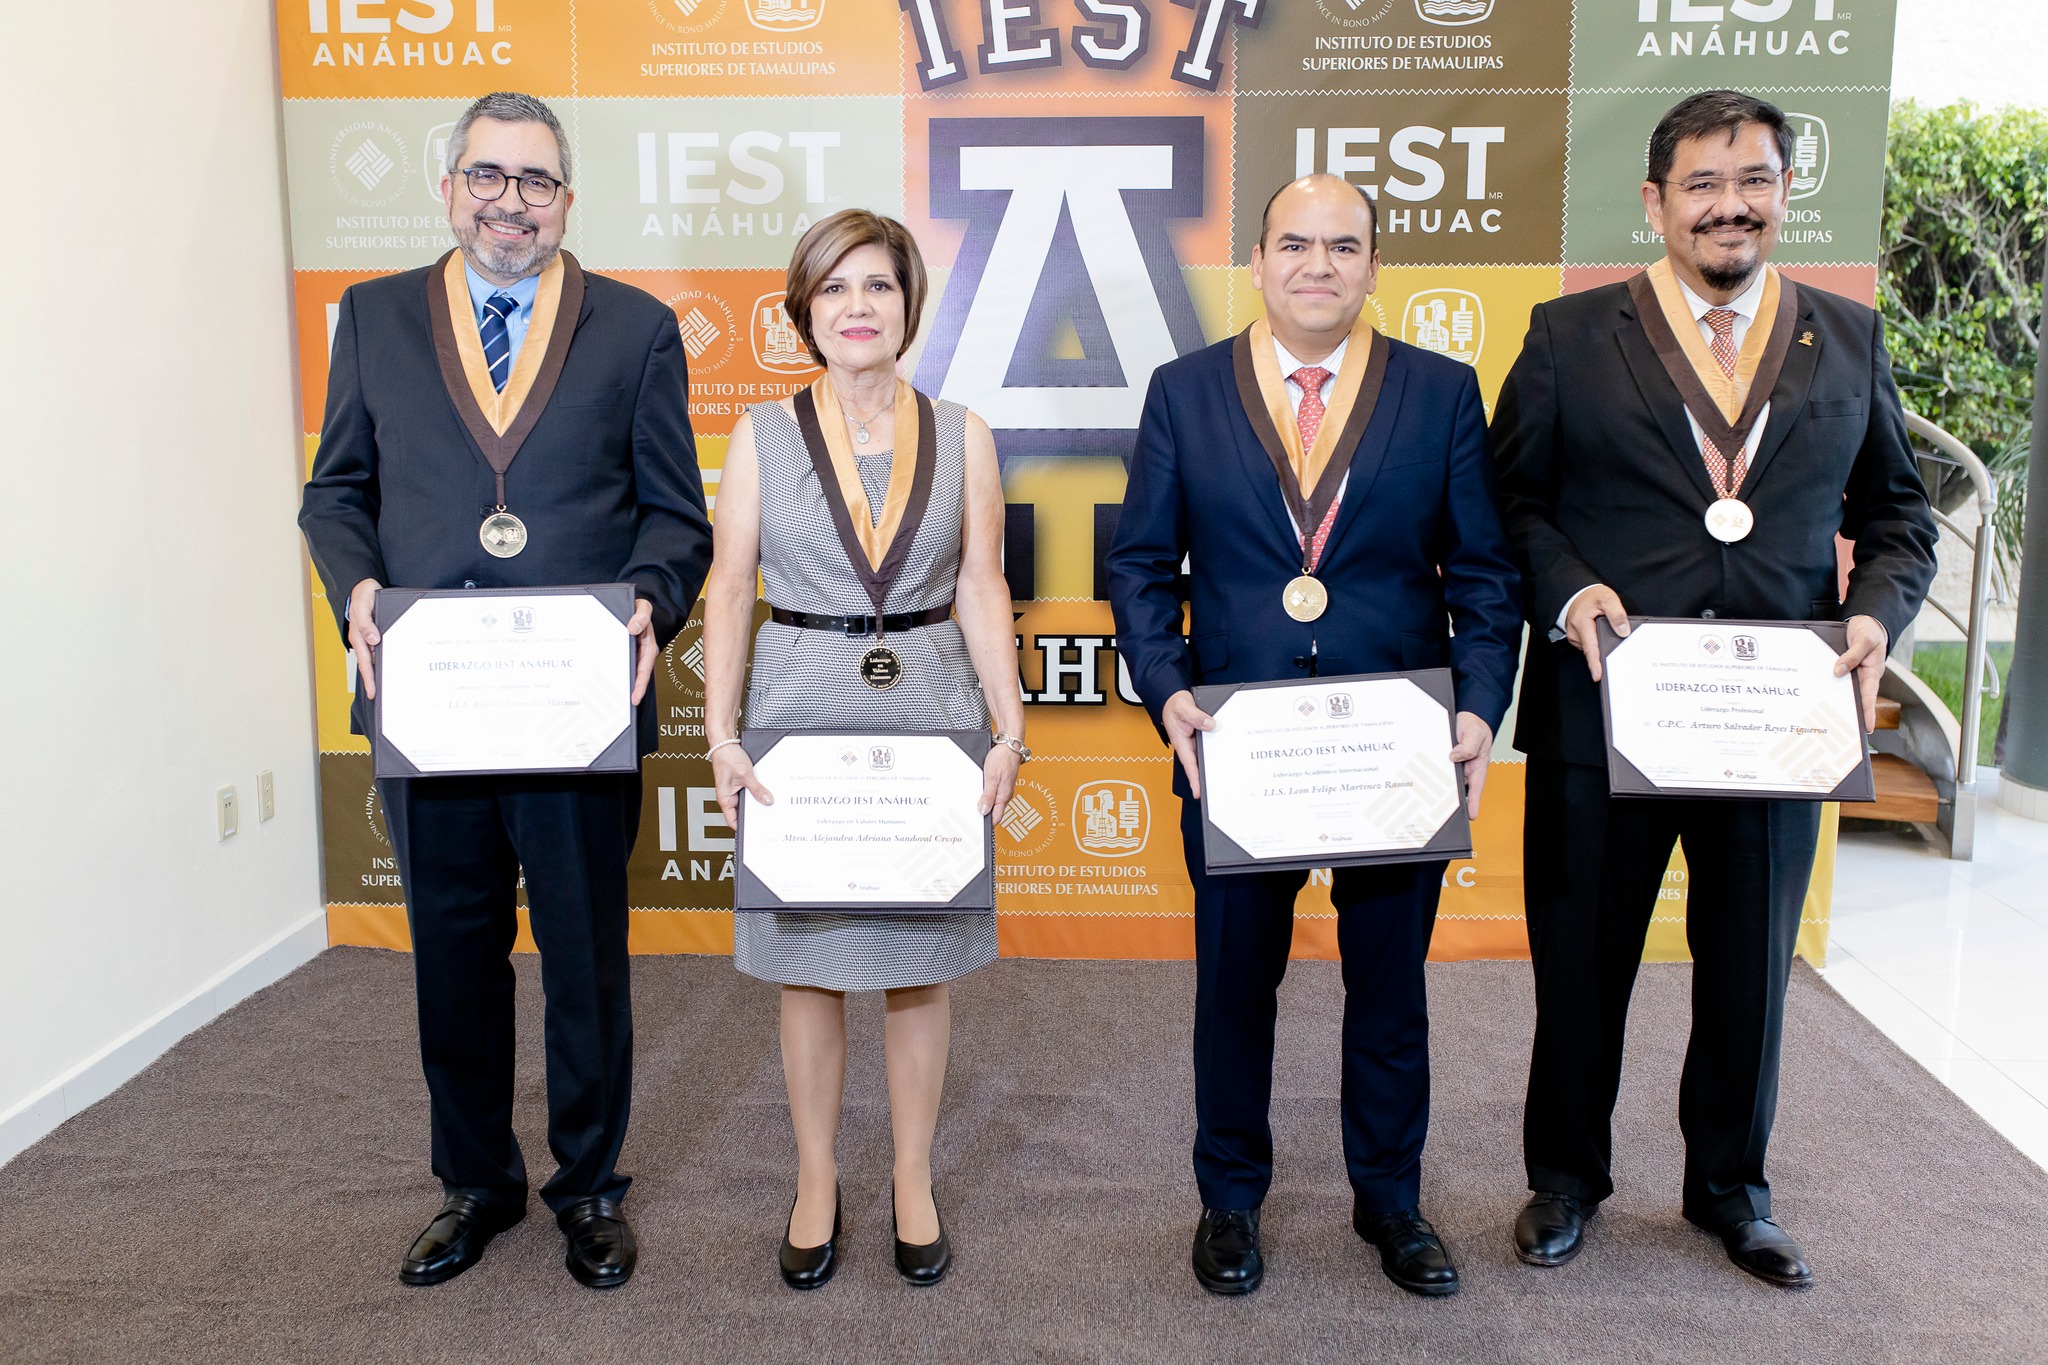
x=153, y=629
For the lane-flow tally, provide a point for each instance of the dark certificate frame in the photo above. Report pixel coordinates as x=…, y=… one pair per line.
x=621, y=756
x=1625, y=779
x=751, y=895
x=1223, y=856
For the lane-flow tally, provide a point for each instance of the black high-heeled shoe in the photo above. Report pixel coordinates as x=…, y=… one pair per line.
x=810, y=1267
x=927, y=1264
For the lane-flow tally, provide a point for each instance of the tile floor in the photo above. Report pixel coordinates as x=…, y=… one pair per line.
x=1950, y=959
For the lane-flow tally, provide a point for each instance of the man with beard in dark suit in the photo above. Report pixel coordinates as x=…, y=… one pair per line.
x=502, y=419
x=1687, y=444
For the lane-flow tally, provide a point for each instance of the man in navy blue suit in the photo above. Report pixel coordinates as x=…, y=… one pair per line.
x=1331, y=492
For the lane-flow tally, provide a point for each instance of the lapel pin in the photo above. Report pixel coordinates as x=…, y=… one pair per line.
x=1806, y=339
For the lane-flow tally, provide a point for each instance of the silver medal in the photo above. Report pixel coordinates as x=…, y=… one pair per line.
x=503, y=534
x=1730, y=520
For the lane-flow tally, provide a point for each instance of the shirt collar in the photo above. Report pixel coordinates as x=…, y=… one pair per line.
x=1289, y=363
x=481, y=289
x=1744, y=304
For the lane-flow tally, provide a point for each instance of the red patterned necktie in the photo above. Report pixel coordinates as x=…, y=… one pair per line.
x=1309, y=419
x=1722, y=320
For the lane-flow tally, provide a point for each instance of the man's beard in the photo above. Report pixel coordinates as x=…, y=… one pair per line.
x=1731, y=276
x=515, y=260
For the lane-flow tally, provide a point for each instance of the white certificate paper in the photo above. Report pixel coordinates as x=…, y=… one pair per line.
x=883, y=819
x=1329, y=770
x=1736, y=707
x=469, y=683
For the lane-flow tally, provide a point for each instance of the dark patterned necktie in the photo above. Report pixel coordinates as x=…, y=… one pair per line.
x=497, y=338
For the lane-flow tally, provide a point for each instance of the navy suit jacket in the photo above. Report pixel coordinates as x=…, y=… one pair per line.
x=606, y=482
x=1416, y=551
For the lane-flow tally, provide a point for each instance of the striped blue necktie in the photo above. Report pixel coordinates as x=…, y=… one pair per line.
x=498, y=341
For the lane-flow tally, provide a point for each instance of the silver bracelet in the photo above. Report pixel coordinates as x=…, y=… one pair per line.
x=1015, y=744
x=720, y=745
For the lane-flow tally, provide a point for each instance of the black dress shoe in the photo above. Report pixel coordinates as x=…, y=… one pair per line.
x=455, y=1240
x=809, y=1267
x=927, y=1264
x=1766, y=1251
x=602, y=1252
x=1227, y=1259
x=1410, y=1251
x=1551, y=1228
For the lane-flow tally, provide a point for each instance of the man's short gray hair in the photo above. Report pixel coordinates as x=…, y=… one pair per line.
x=508, y=106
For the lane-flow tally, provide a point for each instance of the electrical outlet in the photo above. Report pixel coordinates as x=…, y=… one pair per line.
x=227, y=809
x=266, y=795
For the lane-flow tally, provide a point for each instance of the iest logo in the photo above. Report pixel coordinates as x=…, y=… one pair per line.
x=881, y=759
x=1712, y=646
x=1450, y=322
x=1338, y=704
x=684, y=659
x=1355, y=13
x=1112, y=818
x=785, y=16
x=1453, y=13
x=373, y=815
x=1305, y=706
x=369, y=164
x=777, y=346
x=848, y=757
x=686, y=16
x=434, y=158
x=522, y=619
x=489, y=620
x=1809, y=168
x=1029, y=821
x=709, y=333
x=1745, y=648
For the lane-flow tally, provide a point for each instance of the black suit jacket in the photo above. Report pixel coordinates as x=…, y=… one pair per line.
x=1602, y=482
x=606, y=482
x=1417, y=547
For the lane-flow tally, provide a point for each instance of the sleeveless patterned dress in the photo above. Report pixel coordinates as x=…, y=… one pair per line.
x=809, y=679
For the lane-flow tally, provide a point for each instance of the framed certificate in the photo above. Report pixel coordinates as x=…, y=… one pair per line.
x=1732, y=708
x=880, y=821
x=1331, y=772
x=504, y=680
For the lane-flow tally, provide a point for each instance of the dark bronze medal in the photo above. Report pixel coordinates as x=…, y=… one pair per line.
x=881, y=668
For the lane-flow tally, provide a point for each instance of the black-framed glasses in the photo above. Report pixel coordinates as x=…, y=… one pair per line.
x=1755, y=187
x=487, y=184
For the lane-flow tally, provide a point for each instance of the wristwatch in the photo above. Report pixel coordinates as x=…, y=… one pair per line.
x=1015, y=745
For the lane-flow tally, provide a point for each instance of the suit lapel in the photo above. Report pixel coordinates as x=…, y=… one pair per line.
x=1788, y=396
x=1373, y=445
x=1256, y=442
x=1662, y=400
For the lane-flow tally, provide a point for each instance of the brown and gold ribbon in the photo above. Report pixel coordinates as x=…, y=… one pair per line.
x=1309, y=479
x=876, y=547
x=1726, y=407
x=501, y=420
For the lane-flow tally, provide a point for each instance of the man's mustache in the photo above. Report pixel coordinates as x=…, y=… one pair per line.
x=1740, y=220
x=518, y=220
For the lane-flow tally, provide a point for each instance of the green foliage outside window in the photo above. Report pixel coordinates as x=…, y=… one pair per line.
x=1965, y=231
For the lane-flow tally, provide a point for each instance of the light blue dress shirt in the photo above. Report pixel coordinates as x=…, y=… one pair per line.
x=521, y=318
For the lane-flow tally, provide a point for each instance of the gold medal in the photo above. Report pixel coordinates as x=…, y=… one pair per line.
x=503, y=534
x=1305, y=598
x=1730, y=520
x=880, y=668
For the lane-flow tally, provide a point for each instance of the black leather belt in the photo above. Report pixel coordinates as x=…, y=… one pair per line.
x=860, y=625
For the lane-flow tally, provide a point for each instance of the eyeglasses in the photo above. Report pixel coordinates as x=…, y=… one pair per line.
x=487, y=184
x=1755, y=188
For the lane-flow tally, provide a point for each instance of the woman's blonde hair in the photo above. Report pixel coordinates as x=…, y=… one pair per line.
x=826, y=245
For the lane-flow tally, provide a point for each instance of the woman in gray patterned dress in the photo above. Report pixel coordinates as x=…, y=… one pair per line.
x=856, y=287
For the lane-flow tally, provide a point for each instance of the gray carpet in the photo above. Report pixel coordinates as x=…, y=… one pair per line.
x=247, y=1197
